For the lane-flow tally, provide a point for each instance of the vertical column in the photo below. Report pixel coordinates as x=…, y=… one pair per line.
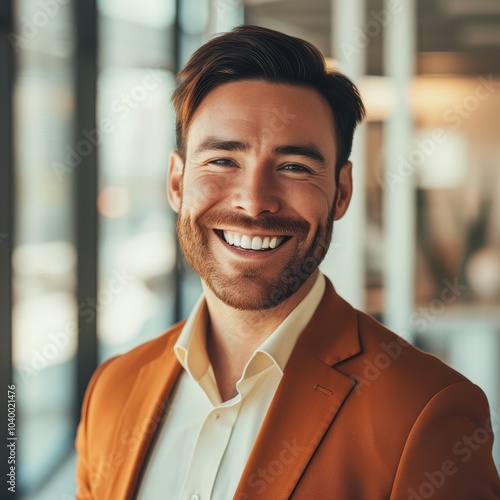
x=7, y=204
x=399, y=192
x=345, y=263
x=85, y=187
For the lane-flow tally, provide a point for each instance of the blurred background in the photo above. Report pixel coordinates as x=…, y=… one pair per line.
x=88, y=254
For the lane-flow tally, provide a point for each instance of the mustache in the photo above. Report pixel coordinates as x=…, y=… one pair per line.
x=270, y=223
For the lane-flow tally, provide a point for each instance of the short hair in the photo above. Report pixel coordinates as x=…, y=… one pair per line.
x=256, y=53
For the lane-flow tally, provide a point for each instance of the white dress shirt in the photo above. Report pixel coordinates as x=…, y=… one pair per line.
x=203, y=443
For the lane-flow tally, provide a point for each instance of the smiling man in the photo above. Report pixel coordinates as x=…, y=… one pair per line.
x=263, y=391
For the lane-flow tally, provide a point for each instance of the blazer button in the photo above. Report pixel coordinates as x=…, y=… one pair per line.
x=195, y=497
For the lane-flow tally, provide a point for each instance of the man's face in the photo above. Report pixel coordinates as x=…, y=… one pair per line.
x=256, y=195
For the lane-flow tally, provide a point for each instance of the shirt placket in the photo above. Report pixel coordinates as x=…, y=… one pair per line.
x=209, y=450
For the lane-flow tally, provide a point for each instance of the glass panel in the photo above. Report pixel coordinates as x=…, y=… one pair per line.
x=44, y=314
x=136, y=125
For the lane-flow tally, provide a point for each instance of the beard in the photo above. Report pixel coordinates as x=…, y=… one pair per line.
x=253, y=286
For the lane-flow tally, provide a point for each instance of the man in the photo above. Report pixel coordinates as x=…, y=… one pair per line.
x=264, y=391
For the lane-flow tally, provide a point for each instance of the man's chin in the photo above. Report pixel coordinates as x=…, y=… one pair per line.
x=246, y=293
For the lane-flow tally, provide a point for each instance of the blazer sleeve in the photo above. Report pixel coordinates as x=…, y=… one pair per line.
x=448, y=453
x=82, y=446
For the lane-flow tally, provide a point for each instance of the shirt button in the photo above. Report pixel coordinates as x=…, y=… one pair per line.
x=195, y=497
x=217, y=416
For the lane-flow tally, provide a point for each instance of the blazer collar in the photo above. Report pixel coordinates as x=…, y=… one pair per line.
x=306, y=402
x=143, y=411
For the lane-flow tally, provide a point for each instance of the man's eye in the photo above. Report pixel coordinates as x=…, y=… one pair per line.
x=293, y=167
x=224, y=162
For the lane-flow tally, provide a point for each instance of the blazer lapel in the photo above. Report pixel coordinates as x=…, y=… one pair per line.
x=142, y=413
x=306, y=402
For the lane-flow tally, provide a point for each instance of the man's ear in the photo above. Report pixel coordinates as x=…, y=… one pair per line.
x=344, y=191
x=174, y=182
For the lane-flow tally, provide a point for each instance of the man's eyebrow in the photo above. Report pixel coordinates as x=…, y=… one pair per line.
x=213, y=143
x=307, y=150
x=216, y=144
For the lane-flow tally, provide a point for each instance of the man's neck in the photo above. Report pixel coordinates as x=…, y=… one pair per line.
x=233, y=335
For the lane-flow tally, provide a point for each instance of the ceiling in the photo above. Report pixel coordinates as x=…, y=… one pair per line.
x=454, y=37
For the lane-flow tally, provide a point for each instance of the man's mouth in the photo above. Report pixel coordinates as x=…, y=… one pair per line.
x=246, y=242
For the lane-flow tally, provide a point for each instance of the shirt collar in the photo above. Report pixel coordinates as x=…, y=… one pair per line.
x=190, y=347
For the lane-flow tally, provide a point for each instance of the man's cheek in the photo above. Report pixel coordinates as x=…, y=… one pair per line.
x=197, y=196
x=203, y=193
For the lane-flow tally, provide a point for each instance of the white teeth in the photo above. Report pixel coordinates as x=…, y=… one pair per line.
x=246, y=242
x=255, y=243
x=229, y=238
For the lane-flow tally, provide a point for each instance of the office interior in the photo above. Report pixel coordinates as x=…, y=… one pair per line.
x=88, y=251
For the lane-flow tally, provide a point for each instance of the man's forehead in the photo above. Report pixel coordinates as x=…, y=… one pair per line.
x=250, y=111
x=278, y=100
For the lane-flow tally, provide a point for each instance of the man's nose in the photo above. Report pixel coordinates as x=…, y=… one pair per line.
x=256, y=193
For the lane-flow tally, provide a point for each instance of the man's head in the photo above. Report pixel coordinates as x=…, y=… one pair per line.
x=264, y=134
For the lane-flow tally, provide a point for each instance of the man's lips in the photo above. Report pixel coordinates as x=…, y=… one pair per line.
x=243, y=241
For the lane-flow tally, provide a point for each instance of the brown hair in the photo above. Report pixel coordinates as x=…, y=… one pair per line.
x=256, y=53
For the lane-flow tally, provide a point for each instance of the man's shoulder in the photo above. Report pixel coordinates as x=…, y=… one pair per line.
x=120, y=372
x=376, y=355
x=122, y=384
x=389, y=362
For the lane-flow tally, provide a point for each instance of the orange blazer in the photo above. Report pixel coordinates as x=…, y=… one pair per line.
x=359, y=414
